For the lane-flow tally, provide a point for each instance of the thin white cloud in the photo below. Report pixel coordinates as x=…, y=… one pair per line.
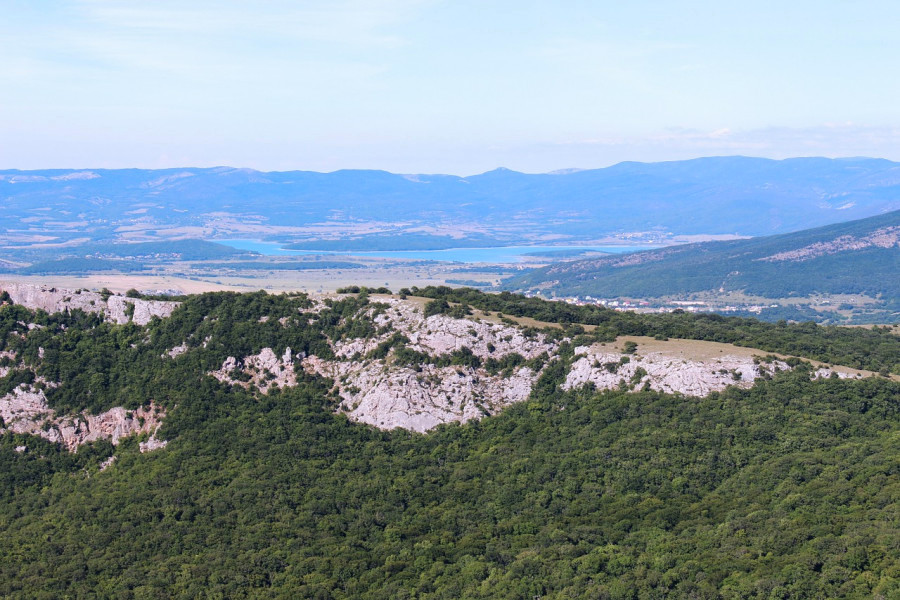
x=198, y=38
x=355, y=22
x=830, y=138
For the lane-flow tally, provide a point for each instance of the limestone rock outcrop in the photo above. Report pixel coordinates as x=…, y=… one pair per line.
x=419, y=399
x=25, y=410
x=441, y=334
x=383, y=388
x=264, y=370
x=117, y=309
x=666, y=372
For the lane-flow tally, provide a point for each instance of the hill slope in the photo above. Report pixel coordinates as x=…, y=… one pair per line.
x=256, y=488
x=859, y=257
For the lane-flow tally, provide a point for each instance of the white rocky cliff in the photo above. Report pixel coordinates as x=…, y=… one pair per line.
x=388, y=393
x=25, y=410
x=264, y=370
x=413, y=373
x=422, y=396
x=117, y=309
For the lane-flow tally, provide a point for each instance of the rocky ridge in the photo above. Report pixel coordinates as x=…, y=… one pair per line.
x=886, y=237
x=116, y=309
x=414, y=372
x=422, y=396
x=389, y=394
x=440, y=334
x=380, y=392
x=25, y=410
x=669, y=373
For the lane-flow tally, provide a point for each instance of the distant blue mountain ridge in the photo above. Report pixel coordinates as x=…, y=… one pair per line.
x=717, y=195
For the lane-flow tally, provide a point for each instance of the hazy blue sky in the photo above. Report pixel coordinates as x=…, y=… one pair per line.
x=452, y=86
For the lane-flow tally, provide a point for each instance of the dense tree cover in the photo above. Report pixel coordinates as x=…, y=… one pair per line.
x=355, y=289
x=34, y=464
x=787, y=490
x=874, y=349
x=292, y=265
x=68, y=266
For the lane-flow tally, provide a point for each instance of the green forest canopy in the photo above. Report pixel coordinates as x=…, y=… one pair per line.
x=786, y=490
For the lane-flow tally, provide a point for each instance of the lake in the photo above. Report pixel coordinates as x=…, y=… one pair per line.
x=500, y=254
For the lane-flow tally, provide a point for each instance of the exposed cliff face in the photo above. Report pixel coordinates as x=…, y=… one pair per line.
x=672, y=370
x=656, y=371
x=25, y=410
x=115, y=308
x=263, y=370
x=420, y=398
x=388, y=394
x=440, y=334
x=376, y=382
x=886, y=237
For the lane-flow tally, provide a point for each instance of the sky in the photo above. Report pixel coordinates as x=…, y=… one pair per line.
x=452, y=86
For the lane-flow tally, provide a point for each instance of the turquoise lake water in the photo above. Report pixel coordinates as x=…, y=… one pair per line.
x=502, y=254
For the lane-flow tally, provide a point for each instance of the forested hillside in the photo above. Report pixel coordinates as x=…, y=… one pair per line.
x=858, y=257
x=787, y=488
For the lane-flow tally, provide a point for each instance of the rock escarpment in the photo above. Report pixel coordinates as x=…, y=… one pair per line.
x=419, y=397
x=441, y=334
x=25, y=410
x=672, y=372
x=116, y=309
x=380, y=388
x=662, y=373
x=264, y=370
x=422, y=397
x=388, y=393
x=389, y=364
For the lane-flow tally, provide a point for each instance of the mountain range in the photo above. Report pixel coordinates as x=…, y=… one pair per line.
x=707, y=196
